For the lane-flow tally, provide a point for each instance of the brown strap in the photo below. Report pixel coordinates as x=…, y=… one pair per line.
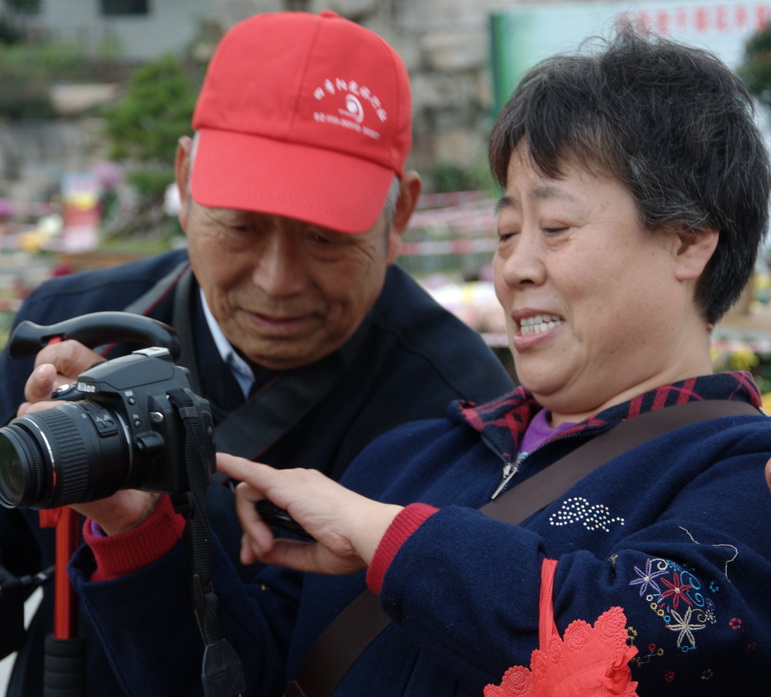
x=338, y=647
x=361, y=622
x=549, y=484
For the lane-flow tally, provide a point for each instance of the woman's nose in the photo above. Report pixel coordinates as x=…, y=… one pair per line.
x=523, y=263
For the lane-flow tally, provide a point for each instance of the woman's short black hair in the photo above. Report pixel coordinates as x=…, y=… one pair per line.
x=671, y=122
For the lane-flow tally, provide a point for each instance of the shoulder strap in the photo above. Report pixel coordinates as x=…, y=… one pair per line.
x=145, y=302
x=541, y=489
x=360, y=623
x=278, y=406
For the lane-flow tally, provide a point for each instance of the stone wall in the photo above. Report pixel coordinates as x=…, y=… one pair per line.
x=35, y=155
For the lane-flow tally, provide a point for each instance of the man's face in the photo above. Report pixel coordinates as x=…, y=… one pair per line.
x=285, y=293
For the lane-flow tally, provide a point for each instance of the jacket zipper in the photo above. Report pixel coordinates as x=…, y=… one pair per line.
x=510, y=469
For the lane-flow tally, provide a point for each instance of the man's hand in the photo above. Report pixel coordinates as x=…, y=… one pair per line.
x=768, y=474
x=347, y=527
x=60, y=364
x=55, y=365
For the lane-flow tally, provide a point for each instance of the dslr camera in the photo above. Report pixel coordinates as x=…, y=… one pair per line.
x=126, y=423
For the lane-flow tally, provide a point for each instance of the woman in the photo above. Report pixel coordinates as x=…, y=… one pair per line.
x=635, y=197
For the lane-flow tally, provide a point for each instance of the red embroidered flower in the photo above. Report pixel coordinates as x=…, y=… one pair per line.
x=735, y=623
x=677, y=591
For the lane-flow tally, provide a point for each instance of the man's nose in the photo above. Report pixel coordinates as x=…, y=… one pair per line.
x=279, y=268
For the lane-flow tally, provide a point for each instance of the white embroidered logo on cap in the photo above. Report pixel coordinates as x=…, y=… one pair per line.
x=353, y=108
x=351, y=114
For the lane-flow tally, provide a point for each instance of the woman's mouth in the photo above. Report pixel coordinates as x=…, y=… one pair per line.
x=537, y=324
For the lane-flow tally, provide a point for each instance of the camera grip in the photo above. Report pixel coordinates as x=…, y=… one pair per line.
x=92, y=330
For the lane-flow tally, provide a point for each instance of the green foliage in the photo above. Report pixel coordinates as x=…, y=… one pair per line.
x=151, y=182
x=156, y=109
x=756, y=67
x=443, y=178
x=24, y=6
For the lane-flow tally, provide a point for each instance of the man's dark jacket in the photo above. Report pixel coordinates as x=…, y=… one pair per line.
x=408, y=360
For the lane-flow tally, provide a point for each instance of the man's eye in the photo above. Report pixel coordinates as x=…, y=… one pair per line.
x=504, y=235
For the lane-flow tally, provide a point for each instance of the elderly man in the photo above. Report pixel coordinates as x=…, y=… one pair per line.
x=296, y=325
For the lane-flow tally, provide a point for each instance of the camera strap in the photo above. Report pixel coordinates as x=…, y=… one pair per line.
x=221, y=672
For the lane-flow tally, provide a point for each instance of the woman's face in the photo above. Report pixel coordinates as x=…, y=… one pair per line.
x=599, y=309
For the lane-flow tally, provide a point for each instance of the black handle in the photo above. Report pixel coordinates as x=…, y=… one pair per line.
x=64, y=667
x=92, y=330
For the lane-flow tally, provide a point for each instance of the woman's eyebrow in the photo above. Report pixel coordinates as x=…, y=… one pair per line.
x=541, y=192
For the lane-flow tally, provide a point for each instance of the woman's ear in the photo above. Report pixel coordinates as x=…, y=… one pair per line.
x=695, y=251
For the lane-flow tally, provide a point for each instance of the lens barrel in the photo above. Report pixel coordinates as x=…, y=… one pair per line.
x=49, y=458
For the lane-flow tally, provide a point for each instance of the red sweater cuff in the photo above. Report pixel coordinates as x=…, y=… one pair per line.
x=406, y=523
x=123, y=554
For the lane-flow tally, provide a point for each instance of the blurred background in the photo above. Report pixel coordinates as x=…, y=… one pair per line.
x=95, y=93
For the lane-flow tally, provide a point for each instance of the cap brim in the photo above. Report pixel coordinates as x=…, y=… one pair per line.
x=318, y=186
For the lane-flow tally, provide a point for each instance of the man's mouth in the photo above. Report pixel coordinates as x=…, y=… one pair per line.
x=528, y=326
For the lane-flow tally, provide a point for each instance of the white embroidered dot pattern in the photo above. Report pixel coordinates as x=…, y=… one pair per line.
x=578, y=510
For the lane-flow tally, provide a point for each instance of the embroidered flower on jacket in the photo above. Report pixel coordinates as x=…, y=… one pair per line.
x=677, y=591
x=685, y=627
x=646, y=578
x=677, y=595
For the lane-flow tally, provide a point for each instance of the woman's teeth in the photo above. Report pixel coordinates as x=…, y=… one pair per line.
x=538, y=324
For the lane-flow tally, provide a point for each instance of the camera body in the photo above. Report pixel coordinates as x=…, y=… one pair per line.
x=117, y=427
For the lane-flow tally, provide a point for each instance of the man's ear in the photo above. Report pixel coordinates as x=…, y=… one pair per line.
x=409, y=191
x=695, y=251
x=182, y=165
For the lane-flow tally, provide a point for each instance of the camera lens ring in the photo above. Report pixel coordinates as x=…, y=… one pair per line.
x=25, y=484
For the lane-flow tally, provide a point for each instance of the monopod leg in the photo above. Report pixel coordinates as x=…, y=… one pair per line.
x=64, y=667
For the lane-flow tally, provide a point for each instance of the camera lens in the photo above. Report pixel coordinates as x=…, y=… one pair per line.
x=16, y=471
x=73, y=453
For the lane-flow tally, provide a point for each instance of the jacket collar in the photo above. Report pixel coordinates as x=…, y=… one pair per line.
x=503, y=421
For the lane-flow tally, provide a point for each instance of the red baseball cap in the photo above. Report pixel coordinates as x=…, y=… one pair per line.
x=303, y=116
